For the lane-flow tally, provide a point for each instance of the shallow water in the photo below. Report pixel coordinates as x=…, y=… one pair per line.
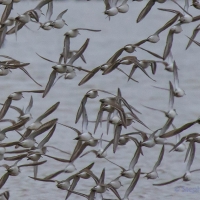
x=119, y=31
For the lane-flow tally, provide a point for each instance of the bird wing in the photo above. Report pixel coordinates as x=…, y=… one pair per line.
x=145, y=10
x=47, y=138
x=52, y=78
x=61, y=14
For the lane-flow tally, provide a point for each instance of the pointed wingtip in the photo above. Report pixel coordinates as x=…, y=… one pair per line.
x=44, y=94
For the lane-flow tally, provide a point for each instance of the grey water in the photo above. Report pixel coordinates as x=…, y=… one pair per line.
x=122, y=29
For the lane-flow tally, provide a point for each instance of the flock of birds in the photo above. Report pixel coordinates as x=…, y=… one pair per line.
x=119, y=112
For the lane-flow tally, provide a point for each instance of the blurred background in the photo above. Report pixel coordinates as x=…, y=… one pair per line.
x=115, y=33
